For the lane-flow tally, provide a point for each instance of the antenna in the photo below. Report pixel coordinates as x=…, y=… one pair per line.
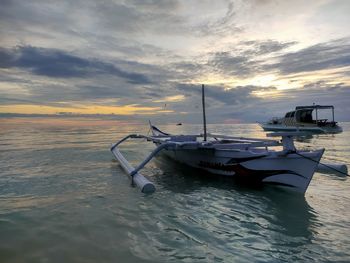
x=204, y=118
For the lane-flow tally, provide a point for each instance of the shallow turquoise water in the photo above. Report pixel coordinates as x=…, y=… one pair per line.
x=63, y=198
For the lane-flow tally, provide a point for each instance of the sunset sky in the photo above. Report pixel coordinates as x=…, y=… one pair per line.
x=147, y=59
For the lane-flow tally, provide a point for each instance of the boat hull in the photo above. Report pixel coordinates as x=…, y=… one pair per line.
x=287, y=170
x=313, y=129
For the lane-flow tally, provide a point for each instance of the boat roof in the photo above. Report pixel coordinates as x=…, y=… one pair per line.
x=314, y=107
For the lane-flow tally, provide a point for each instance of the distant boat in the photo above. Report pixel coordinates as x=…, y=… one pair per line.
x=179, y=124
x=301, y=120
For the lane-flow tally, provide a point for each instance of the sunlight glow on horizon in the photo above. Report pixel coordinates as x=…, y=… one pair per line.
x=81, y=109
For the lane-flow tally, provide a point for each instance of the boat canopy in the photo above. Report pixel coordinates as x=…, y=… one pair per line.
x=314, y=107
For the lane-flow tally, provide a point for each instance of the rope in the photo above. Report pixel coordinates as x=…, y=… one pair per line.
x=330, y=167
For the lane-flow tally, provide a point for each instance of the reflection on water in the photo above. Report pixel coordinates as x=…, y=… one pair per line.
x=65, y=199
x=283, y=219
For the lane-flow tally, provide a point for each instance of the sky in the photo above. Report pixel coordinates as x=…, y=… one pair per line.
x=147, y=59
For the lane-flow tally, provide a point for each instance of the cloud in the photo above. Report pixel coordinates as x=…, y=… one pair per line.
x=246, y=58
x=234, y=96
x=217, y=26
x=234, y=65
x=148, y=52
x=243, y=103
x=269, y=46
x=332, y=54
x=59, y=64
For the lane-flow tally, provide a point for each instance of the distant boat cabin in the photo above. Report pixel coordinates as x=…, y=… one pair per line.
x=302, y=115
x=306, y=118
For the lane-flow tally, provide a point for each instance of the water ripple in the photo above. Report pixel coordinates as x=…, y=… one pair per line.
x=65, y=199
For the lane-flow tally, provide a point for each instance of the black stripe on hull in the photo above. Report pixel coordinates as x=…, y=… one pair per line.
x=244, y=159
x=280, y=184
x=245, y=174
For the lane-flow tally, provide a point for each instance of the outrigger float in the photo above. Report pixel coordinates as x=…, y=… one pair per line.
x=252, y=160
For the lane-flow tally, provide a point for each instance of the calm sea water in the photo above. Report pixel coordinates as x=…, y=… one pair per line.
x=63, y=198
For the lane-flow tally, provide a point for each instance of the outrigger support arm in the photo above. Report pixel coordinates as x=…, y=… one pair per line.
x=125, y=138
x=151, y=155
x=143, y=183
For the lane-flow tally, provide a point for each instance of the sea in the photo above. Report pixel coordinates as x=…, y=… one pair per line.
x=64, y=198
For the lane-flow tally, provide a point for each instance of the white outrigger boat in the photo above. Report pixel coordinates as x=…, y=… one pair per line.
x=252, y=160
x=301, y=119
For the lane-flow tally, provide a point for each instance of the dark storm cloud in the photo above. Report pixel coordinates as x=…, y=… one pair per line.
x=334, y=54
x=60, y=64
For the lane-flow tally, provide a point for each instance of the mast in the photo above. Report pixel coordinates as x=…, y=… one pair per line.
x=316, y=114
x=204, y=118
